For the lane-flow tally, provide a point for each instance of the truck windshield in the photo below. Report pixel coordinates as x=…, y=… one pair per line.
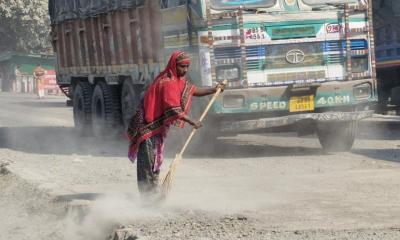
x=325, y=2
x=231, y=4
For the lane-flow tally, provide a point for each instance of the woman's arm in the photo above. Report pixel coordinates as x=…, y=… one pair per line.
x=200, y=92
x=196, y=124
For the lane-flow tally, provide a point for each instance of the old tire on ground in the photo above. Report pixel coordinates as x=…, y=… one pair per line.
x=337, y=136
x=106, y=110
x=147, y=179
x=82, y=107
x=130, y=98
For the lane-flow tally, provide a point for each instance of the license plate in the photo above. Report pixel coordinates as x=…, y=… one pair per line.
x=301, y=103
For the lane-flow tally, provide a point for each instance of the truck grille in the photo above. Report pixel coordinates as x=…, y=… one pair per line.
x=337, y=50
x=296, y=76
x=234, y=52
x=274, y=56
x=294, y=55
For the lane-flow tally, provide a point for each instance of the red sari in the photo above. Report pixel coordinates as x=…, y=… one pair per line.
x=166, y=101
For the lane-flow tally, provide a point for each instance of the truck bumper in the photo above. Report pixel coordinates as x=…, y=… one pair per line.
x=264, y=123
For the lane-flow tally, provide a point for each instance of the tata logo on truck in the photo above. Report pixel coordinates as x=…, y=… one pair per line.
x=295, y=56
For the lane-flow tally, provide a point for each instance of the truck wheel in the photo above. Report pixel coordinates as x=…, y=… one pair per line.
x=337, y=136
x=106, y=110
x=82, y=107
x=147, y=179
x=130, y=98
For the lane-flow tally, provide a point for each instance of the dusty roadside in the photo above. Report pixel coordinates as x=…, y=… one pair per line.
x=39, y=217
x=26, y=211
x=61, y=186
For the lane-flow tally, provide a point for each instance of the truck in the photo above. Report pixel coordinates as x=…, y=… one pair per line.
x=292, y=65
x=387, y=33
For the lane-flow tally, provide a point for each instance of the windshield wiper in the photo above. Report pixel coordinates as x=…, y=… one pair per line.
x=249, y=9
x=336, y=5
x=328, y=6
x=254, y=10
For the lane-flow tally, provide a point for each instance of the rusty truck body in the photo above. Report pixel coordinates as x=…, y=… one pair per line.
x=303, y=65
x=103, y=48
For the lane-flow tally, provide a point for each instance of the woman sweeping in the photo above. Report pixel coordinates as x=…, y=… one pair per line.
x=166, y=102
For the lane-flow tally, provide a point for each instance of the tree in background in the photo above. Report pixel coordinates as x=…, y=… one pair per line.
x=24, y=26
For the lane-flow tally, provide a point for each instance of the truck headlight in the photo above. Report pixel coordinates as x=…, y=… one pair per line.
x=362, y=91
x=230, y=73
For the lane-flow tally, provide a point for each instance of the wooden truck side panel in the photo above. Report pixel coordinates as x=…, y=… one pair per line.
x=118, y=43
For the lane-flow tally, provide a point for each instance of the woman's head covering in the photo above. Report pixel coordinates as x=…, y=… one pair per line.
x=177, y=57
x=183, y=59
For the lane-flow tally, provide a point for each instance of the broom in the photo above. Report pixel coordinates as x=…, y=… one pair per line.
x=167, y=181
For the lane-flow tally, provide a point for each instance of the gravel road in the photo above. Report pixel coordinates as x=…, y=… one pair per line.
x=58, y=185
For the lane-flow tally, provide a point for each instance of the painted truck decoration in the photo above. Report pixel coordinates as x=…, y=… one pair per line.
x=306, y=65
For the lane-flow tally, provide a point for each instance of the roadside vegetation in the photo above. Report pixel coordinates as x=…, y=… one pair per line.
x=24, y=26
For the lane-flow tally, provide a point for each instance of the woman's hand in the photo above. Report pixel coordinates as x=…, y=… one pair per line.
x=197, y=124
x=220, y=86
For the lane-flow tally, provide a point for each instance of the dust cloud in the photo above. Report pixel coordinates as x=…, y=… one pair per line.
x=113, y=210
x=106, y=213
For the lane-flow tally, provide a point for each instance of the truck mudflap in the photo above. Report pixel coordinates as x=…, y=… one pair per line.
x=263, y=123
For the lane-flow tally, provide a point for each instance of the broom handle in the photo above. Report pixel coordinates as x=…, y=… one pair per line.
x=202, y=117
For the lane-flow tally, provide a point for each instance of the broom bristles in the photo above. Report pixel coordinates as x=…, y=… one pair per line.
x=168, y=179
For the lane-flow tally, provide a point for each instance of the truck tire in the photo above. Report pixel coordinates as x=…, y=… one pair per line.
x=82, y=107
x=337, y=136
x=130, y=98
x=147, y=179
x=106, y=110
